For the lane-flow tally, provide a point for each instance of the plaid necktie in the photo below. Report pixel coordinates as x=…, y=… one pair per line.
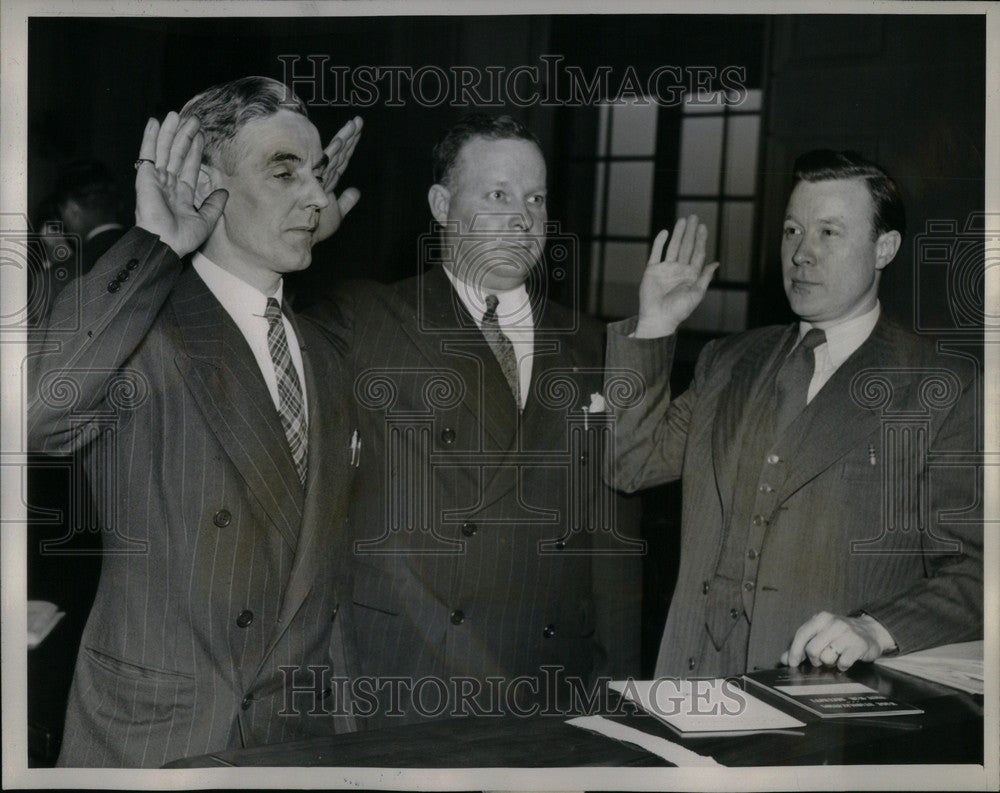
x=291, y=409
x=792, y=383
x=501, y=346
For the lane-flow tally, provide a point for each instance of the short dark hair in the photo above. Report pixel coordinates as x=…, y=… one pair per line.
x=475, y=125
x=89, y=184
x=224, y=109
x=822, y=165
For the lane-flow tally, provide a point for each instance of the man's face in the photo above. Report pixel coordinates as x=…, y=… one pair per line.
x=275, y=196
x=829, y=259
x=496, y=195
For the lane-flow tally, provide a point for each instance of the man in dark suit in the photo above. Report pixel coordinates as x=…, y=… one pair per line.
x=815, y=524
x=486, y=546
x=212, y=451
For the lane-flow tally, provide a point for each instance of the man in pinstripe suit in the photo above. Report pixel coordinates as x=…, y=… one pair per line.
x=491, y=563
x=216, y=464
x=832, y=502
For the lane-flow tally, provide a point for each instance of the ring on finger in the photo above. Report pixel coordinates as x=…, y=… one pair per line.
x=141, y=160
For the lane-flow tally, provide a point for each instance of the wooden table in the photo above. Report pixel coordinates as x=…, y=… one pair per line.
x=950, y=731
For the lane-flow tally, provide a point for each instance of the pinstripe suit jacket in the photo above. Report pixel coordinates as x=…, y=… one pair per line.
x=482, y=537
x=219, y=574
x=850, y=513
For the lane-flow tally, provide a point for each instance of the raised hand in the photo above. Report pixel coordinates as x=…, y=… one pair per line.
x=339, y=155
x=674, y=284
x=165, y=181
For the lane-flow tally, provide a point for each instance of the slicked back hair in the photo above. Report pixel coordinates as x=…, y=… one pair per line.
x=474, y=125
x=821, y=165
x=225, y=109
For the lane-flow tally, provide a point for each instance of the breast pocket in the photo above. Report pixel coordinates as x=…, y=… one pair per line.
x=375, y=592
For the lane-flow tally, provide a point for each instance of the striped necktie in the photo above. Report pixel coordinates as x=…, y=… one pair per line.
x=792, y=383
x=502, y=347
x=290, y=406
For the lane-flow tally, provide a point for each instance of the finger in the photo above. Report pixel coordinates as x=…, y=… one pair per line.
x=656, y=252
x=700, y=242
x=675, y=240
x=706, y=277
x=808, y=629
x=181, y=144
x=687, y=244
x=211, y=210
x=147, y=149
x=850, y=655
x=348, y=199
x=823, y=639
x=166, y=138
x=784, y=658
x=828, y=657
x=192, y=161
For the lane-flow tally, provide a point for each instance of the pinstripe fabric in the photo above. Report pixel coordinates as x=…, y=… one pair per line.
x=828, y=488
x=460, y=502
x=217, y=567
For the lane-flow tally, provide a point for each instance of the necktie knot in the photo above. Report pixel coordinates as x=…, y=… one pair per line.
x=272, y=312
x=813, y=339
x=490, y=315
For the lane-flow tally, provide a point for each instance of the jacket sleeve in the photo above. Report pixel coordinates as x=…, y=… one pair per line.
x=77, y=366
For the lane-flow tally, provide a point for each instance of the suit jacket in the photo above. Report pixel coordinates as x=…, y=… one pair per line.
x=485, y=543
x=219, y=579
x=871, y=501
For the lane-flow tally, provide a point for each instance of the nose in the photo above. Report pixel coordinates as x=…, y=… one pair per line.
x=315, y=196
x=803, y=253
x=521, y=221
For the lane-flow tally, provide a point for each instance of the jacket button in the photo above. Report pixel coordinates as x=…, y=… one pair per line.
x=704, y=587
x=333, y=616
x=549, y=632
x=132, y=264
x=245, y=704
x=222, y=518
x=691, y=664
x=752, y=554
x=734, y=613
x=748, y=586
x=448, y=435
x=469, y=529
x=245, y=618
x=123, y=276
x=773, y=459
x=457, y=617
x=766, y=488
x=757, y=520
x=560, y=544
x=114, y=286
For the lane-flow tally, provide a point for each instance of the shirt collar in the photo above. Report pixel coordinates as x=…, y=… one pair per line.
x=843, y=338
x=513, y=306
x=236, y=295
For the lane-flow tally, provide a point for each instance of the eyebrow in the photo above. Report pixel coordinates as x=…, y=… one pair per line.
x=285, y=156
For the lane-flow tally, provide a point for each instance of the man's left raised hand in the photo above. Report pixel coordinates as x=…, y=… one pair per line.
x=338, y=154
x=829, y=640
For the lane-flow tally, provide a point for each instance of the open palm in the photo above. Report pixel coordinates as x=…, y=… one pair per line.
x=338, y=155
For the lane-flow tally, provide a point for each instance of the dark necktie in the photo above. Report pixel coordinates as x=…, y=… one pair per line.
x=792, y=382
x=502, y=347
x=290, y=407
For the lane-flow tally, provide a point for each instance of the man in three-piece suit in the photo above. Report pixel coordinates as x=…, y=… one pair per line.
x=831, y=507
x=486, y=546
x=212, y=440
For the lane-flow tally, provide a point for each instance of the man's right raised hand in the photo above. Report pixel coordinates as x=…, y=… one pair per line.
x=672, y=288
x=165, y=182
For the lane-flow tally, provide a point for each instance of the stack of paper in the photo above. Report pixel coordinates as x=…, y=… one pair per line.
x=956, y=665
x=42, y=618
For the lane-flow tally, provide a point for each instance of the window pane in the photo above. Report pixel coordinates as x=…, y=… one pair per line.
x=708, y=315
x=737, y=241
x=624, y=265
x=702, y=102
x=701, y=150
x=722, y=311
x=741, y=154
x=708, y=213
x=751, y=104
x=734, y=312
x=602, y=129
x=594, y=276
x=633, y=129
x=600, y=170
x=630, y=197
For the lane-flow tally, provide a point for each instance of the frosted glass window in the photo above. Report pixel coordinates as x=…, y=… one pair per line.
x=701, y=153
x=630, y=198
x=633, y=129
x=708, y=315
x=737, y=237
x=624, y=264
x=751, y=104
x=702, y=102
x=602, y=129
x=733, y=318
x=741, y=154
x=708, y=213
x=599, y=197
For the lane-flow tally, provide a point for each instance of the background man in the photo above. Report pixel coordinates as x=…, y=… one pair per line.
x=209, y=449
x=807, y=531
x=486, y=543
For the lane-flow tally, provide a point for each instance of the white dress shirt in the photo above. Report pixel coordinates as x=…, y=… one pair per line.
x=514, y=317
x=246, y=305
x=842, y=340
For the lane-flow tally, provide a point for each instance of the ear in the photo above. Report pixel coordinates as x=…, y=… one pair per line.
x=72, y=215
x=886, y=247
x=439, y=200
x=208, y=180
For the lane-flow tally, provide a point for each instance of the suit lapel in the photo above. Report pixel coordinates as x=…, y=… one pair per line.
x=834, y=422
x=222, y=375
x=445, y=329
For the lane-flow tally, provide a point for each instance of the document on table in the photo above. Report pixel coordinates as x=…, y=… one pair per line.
x=955, y=665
